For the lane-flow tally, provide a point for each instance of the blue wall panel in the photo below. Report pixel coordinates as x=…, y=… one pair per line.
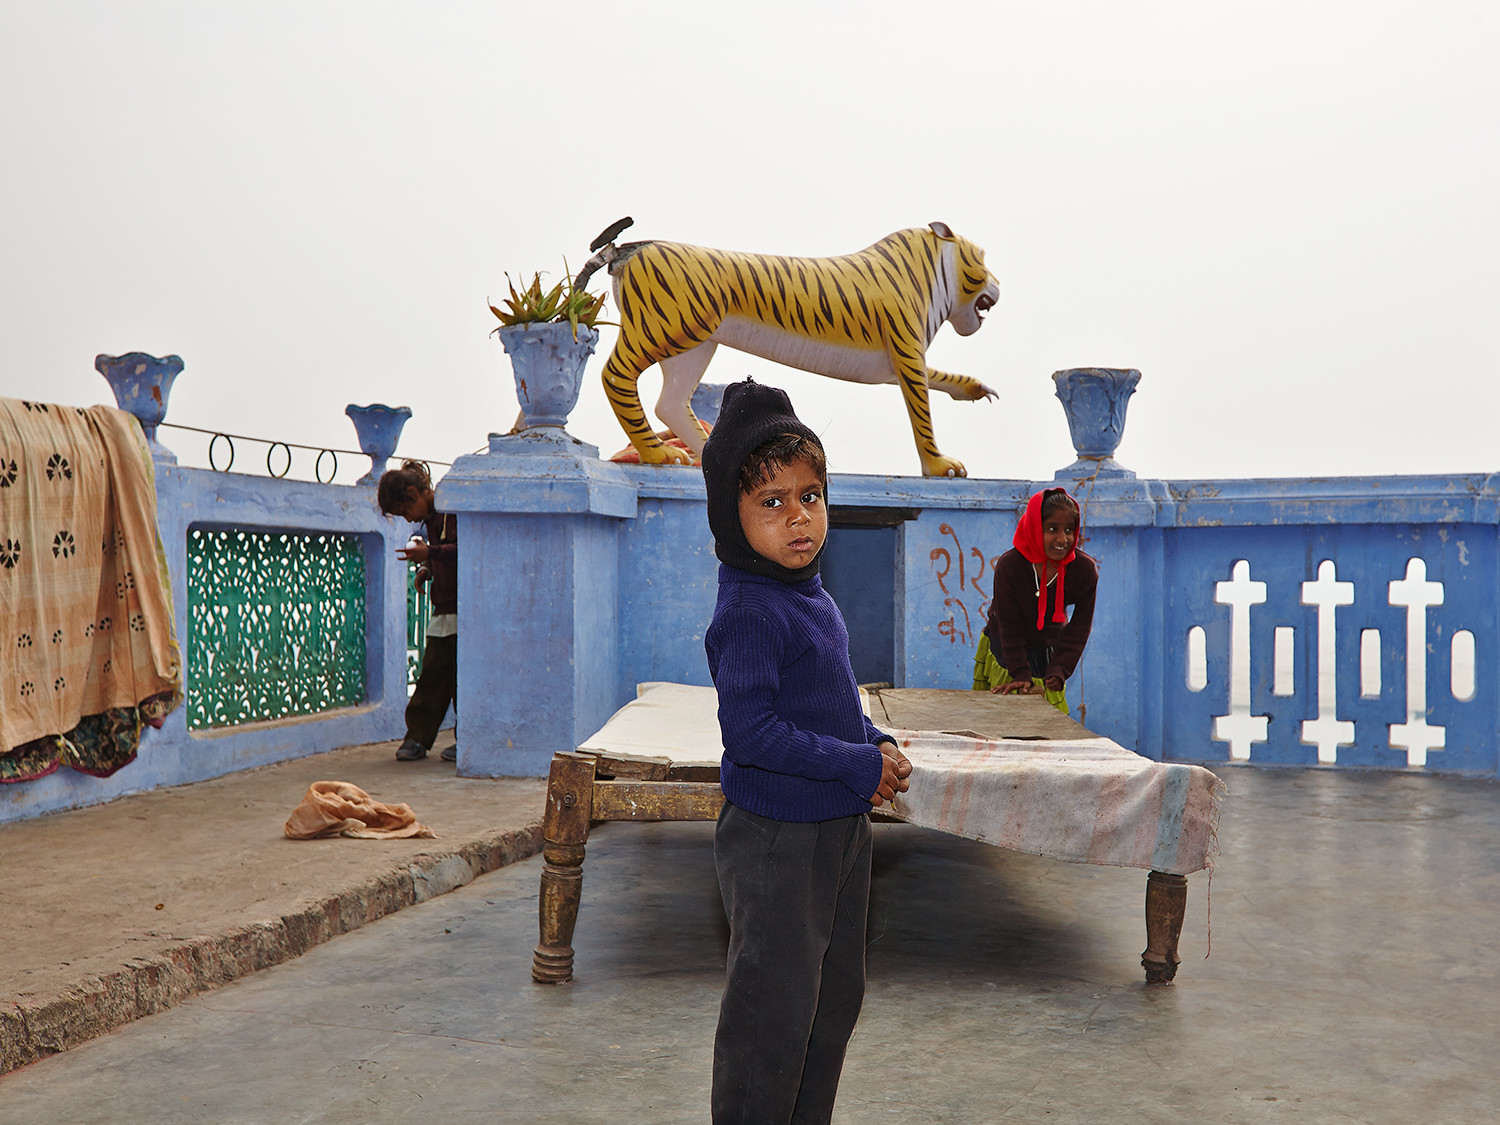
x=859, y=571
x=173, y=755
x=949, y=560
x=1370, y=557
x=669, y=582
x=1106, y=689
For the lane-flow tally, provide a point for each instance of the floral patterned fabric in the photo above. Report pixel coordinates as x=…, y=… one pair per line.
x=87, y=651
x=98, y=746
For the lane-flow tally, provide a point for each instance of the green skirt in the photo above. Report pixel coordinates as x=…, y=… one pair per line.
x=989, y=673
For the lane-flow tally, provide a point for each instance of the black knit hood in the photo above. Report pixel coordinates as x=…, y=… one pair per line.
x=751, y=415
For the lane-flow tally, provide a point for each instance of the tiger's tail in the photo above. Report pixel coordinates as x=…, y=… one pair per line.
x=605, y=250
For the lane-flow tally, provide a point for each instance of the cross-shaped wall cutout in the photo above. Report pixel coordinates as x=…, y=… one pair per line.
x=1416, y=594
x=1327, y=732
x=1239, y=728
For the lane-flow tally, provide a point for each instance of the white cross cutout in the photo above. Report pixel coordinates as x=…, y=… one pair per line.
x=1416, y=594
x=1239, y=728
x=1327, y=731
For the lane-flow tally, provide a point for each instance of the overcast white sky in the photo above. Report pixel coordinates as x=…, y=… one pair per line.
x=1284, y=214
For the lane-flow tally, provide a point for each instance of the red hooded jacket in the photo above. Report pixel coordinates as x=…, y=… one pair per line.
x=1027, y=612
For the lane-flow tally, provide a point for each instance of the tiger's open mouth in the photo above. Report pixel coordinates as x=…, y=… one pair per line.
x=982, y=304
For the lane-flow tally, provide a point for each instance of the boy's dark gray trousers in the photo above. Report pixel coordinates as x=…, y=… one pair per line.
x=437, y=687
x=796, y=896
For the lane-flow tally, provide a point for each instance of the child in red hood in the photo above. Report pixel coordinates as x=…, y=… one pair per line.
x=1029, y=643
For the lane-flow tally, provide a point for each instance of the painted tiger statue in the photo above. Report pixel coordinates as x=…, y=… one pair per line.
x=866, y=317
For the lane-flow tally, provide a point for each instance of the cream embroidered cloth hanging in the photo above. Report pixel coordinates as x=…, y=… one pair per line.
x=85, y=609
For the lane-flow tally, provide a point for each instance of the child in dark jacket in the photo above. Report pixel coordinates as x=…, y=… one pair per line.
x=407, y=492
x=1029, y=643
x=802, y=767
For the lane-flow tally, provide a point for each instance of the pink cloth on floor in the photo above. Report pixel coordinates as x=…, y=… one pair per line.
x=336, y=808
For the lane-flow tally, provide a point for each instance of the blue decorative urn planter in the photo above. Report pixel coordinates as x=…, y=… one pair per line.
x=142, y=384
x=548, y=364
x=379, y=429
x=1094, y=399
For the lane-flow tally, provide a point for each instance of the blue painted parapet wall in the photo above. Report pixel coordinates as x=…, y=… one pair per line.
x=1398, y=565
x=1346, y=622
x=197, y=498
x=580, y=578
x=1375, y=583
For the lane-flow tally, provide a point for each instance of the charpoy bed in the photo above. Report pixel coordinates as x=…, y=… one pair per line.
x=1006, y=770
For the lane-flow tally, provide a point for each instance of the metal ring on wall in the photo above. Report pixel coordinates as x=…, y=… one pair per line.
x=211, y=442
x=318, y=466
x=271, y=450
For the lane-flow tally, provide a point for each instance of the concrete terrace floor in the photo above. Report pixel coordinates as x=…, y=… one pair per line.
x=1355, y=926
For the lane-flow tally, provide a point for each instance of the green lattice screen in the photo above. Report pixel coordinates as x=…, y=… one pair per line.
x=418, y=613
x=276, y=625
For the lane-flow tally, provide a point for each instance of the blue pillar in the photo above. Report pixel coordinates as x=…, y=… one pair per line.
x=538, y=584
x=1118, y=683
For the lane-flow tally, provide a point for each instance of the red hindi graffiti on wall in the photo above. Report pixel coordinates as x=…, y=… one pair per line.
x=962, y=624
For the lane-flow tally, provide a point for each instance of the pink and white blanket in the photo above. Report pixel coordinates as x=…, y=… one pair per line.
x=1088, y=800
x=1083, y=800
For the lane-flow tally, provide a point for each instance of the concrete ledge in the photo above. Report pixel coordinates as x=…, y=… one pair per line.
x=34, y=1028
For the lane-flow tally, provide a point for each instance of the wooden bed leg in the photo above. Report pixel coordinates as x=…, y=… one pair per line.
x=565, y=829
x=1166, y=905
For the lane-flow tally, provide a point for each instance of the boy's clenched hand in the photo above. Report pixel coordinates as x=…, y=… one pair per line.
x=895, y=768
x=903, y=763
x=413, y=552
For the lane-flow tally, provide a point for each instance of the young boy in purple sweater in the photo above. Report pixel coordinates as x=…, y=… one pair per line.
x=802, y=767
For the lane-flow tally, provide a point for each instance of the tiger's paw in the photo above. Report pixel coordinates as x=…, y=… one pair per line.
x=940, y=466
x=972, y=391
x=662, y=454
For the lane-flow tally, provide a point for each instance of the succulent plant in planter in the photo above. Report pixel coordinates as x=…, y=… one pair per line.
x=563, y=302
x=549, y=335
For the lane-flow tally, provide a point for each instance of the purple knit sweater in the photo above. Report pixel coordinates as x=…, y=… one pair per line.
x=797, y=747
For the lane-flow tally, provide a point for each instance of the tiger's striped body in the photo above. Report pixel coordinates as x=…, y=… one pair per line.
x=865, y=317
